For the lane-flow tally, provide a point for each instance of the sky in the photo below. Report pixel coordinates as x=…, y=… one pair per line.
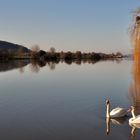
x=68, y=25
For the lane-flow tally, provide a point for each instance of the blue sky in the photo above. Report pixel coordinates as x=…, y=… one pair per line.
x=86, y=25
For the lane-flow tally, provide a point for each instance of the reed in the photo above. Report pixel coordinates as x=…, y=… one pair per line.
x=134, y=89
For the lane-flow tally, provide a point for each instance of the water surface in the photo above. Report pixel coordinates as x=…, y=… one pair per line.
x=61, y=101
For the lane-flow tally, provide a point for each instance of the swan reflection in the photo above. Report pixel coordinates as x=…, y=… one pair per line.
x=134, y=127
x=119, y=121
x=114, y=121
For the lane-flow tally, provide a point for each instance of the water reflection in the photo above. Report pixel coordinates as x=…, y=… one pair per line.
x=10, y=65
x=107, y=126
x=35, y=65
x=118, y=121
x=66, y=103
x=114, y=121
x=134, y=127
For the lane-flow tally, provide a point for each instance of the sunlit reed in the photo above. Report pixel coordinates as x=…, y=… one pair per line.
x=135, y=39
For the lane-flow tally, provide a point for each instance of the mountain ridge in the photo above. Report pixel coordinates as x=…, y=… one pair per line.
x=6, y=46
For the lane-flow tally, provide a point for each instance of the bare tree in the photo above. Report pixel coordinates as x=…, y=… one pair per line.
x=52, y=50
x=35, y=48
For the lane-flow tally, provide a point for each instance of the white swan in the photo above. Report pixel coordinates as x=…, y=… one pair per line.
x=116, y=112
x=135, y=119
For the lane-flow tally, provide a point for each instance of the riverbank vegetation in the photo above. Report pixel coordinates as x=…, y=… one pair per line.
x=78, y=55
x=10, y=51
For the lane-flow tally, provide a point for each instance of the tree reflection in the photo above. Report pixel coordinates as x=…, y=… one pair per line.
x=52, y=65
x=21, y=69
x=34, y=67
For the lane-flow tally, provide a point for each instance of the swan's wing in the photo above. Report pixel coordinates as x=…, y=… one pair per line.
x=118, y=112
x=137, y=120
x=138, y=116
x=137, y=125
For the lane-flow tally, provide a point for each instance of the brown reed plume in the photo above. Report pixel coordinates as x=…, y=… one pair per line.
x=134, y=89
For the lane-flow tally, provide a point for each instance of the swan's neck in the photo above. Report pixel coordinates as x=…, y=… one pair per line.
x=133, y=114
x=108, y=110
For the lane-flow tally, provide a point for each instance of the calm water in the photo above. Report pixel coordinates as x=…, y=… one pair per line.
x=63, y=102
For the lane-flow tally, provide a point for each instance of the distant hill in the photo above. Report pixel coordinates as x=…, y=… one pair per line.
x=12, y=48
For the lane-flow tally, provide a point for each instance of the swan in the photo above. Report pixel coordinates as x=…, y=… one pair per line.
x=135, y=119
x=116, y=112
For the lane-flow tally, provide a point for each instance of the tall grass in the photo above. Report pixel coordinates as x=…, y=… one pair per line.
x=134, y=90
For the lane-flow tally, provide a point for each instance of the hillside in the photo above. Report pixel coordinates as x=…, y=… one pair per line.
x=12, y=48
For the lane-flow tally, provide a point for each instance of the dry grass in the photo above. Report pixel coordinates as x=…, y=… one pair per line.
x=134, y=90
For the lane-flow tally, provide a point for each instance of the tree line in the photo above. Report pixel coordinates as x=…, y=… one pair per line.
x=78, y=55
x=52, y=55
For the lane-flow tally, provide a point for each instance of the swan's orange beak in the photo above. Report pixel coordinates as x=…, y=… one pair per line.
x=129, y=110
